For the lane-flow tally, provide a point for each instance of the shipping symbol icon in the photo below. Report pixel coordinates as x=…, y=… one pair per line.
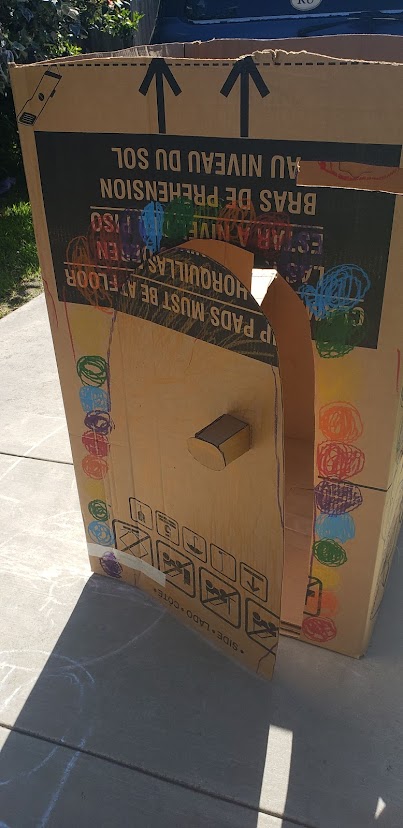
x=132, y=540
x=167, y=527
x=261, y=625
x=195, y=544
x=141, y=513
x=220, y=598
x=177, y=567
x=254, y=582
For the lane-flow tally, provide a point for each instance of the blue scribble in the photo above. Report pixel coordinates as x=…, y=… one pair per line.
x=151, y=224
x=338, y=527
x=94, y=399
x=339, y=289
x=100, y=533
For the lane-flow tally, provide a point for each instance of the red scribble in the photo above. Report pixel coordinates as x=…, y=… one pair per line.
x=341, y=422
x=271, y=231
x=96, y=444
x=68, y=324
x=105, y=248
x=398, y=369
x=95, y=467
x=339, y=460
x=51, y=299
x=319, y=629
x=346, y=171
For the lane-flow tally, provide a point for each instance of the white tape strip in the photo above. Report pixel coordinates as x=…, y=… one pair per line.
x=95, y=550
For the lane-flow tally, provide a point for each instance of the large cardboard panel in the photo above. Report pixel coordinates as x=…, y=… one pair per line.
x=140, y=191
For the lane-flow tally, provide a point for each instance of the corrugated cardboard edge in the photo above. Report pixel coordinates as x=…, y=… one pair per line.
x=353, y=48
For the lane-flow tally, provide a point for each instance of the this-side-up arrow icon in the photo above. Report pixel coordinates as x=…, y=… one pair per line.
x=245, y=69
x=252, y=584
x=159, y=70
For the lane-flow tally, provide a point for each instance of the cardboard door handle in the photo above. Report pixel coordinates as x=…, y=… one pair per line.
x=221, y=442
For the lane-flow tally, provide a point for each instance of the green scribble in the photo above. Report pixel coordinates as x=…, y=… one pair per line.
x=329, y=553
x=98, y=509
x=339, y=333
x=92, y=370
x=178, y=219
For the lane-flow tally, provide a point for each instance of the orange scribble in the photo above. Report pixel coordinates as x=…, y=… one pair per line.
x=95, y=467
x=329, y=603
x=340, y=422
x=79, y=256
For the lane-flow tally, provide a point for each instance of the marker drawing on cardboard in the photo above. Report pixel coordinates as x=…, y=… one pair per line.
x=236, y=439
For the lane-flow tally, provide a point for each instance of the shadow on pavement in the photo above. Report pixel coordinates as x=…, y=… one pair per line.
x=127, y=689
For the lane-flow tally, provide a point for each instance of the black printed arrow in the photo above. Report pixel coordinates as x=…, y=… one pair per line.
x=159, y=70
x=252, y=585
x=246, y=70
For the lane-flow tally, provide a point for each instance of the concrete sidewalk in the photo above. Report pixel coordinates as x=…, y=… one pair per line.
x=112, y=714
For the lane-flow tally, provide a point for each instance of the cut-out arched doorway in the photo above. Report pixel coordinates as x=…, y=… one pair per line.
x=292, y=333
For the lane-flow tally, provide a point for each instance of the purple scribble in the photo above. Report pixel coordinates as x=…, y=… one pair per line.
x=99, y=421
x=110, y=565
x=335, y=497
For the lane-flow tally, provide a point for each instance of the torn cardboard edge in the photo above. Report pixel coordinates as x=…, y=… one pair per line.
x=353, y=48
x=350, y=175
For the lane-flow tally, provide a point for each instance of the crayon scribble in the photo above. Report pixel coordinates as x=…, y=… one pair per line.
x=68, y=323
x=49, y=293
x=98, y=509
x=336, y=497
x=329, y=603
x=94, y=467
x=151, y=225
x=100, y=533
x=339, y=460
x=340, y=421
x=235, y=223
x=340, y=527
x=96, y=444
x=329, y=553
x=111, y=565
x=341, y=288
x=130, y=239
x=92, y=370
x=351, y=171
x=80, y=255
x=99, y=421
x=319, y=629
x=94, y=399
x=178, y=219
x=340, y=333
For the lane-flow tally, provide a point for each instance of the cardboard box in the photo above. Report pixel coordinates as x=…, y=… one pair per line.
x=231, y=444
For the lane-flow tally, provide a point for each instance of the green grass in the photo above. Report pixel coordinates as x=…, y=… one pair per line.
x=19, y=266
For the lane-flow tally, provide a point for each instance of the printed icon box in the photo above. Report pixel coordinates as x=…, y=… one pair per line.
x=228, y=336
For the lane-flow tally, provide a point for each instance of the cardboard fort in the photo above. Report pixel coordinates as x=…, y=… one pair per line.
x=237, y=438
